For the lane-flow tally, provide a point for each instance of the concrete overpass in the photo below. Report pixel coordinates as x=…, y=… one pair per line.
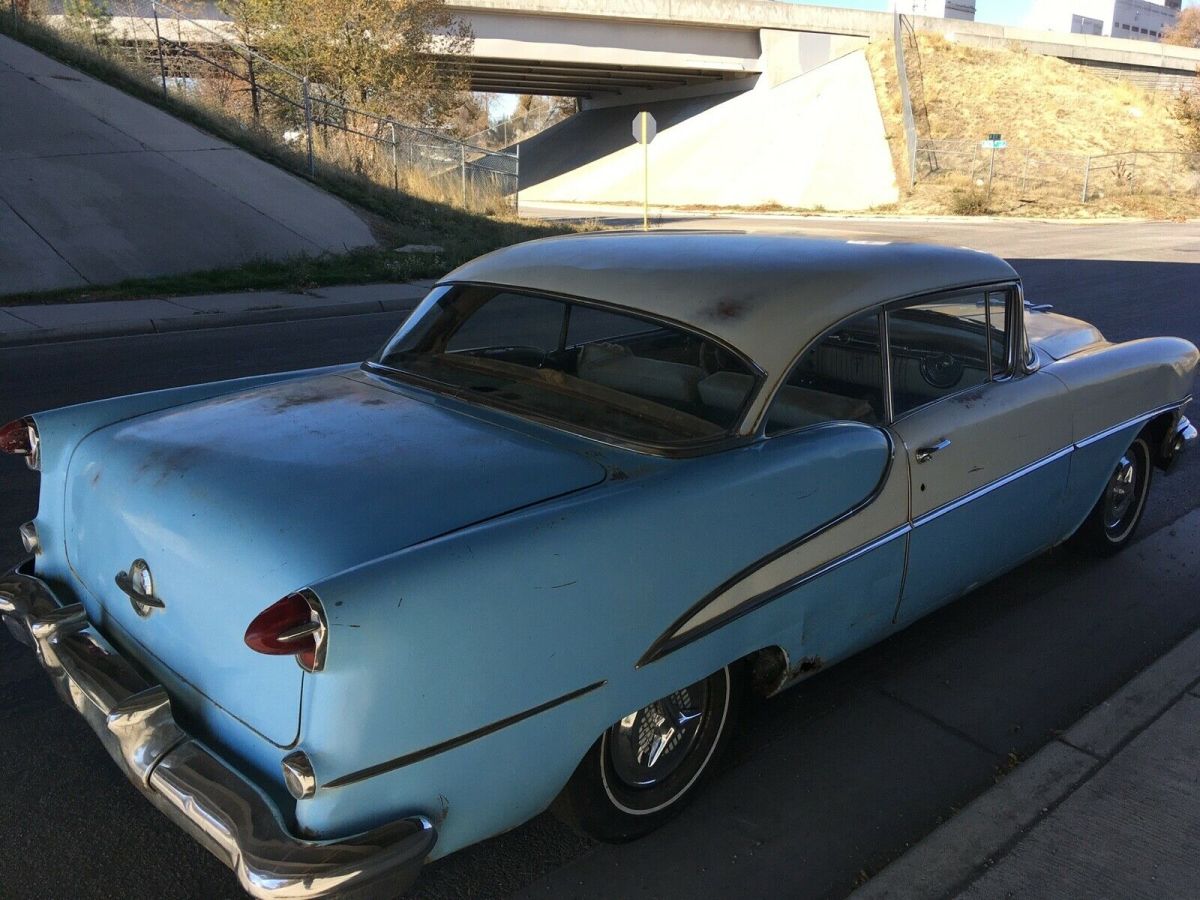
x=758, y=102
x=621, y=51
x=625, y=51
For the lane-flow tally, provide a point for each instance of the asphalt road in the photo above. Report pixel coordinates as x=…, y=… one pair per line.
x=827, y=782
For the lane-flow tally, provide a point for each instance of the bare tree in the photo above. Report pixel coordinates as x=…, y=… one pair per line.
x=400, y=58
x=1186, y=30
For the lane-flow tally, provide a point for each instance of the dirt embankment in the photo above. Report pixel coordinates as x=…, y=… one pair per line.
x=1054, y=115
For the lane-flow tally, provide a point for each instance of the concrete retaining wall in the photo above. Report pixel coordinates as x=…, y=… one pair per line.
x=814, y=140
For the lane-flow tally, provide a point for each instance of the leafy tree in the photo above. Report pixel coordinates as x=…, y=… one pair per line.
x=399, y=58
x=1186, y=30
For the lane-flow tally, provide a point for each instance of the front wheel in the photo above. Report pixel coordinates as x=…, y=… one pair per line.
x=1110, y=525
x=646, y=767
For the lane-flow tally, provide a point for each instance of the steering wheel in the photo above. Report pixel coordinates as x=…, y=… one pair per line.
x=941, y=370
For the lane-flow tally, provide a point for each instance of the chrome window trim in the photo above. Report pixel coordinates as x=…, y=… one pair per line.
x=885, y=353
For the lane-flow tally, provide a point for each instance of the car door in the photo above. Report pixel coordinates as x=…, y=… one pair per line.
x=844, y=581
x=988, y=442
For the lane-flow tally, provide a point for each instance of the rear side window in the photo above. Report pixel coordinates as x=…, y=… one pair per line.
x=938, y=348
x=839, y=378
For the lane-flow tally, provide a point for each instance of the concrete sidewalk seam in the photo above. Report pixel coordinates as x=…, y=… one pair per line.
x=1094, y=756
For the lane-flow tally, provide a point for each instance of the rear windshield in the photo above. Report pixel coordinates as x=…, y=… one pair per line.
x=591, y=369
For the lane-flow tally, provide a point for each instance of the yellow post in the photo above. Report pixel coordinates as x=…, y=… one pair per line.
x=645, y=175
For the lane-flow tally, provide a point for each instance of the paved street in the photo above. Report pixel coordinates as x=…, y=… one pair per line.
x=827, y=783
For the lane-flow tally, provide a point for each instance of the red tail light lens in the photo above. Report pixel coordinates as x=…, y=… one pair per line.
x=20, y=438
x=293, y=626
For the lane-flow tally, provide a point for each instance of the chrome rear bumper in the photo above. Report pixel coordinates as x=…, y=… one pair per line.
x=1185, y=431
x=202, y=794
x=1180, y=438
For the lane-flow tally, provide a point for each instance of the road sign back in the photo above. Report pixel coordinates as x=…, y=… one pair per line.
x=644, y=128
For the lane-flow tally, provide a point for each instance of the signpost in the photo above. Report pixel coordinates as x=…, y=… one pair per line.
x=994, y=142
x=644, y=130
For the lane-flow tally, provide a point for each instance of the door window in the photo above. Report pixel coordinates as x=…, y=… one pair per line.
x=839, y=378
x=941, y=347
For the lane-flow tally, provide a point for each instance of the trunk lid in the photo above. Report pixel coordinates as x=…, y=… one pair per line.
x=237, y=501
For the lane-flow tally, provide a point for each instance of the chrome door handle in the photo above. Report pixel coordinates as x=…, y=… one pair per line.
x=925, y=454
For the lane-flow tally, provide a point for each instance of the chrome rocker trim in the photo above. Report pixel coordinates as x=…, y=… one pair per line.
x=231, y=817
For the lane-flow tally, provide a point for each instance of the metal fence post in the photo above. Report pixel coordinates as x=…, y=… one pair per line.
x=395, y=165
x=463, y=150
x=162, y=66
x=253, y=85
x=308, y=127
x=517, y=182
x=1087, y=173
x=991, y=171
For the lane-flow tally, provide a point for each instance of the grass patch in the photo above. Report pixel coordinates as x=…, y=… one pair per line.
x=396, y=217
x=297, y=275
x=970, y=203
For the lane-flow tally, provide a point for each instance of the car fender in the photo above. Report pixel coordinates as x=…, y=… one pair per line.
x=524, y=633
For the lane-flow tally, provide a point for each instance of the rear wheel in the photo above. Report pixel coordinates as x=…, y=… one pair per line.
x=645, y=768
x=1110, y=525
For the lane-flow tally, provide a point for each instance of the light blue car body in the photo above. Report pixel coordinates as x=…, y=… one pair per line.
x=495, y=587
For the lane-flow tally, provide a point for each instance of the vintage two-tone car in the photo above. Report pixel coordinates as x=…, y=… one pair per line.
x=337, y=623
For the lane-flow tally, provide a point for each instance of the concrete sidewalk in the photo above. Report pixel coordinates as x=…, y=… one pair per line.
x=44, y=323
x=1109, y=809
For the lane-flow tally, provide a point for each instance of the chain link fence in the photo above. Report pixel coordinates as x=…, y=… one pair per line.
x=207, y=64
x=1041, y=174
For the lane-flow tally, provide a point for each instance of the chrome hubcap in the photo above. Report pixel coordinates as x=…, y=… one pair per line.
x=648, y=745
x=1120, y=493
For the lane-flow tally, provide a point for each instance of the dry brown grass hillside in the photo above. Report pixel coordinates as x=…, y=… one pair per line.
x=1037, y=103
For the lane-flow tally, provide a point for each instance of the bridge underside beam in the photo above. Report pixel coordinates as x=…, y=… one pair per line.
x=583, y=79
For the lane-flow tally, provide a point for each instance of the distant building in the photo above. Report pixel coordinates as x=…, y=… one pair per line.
x=939, y=9
x=1138, y=20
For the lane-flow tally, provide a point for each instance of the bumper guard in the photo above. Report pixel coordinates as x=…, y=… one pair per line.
x=214, y=803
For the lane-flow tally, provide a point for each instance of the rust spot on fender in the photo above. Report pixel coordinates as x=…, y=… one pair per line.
x=810, y=664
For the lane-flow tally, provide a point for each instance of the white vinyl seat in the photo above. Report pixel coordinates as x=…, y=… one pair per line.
x=793, y=407
x=619, y=368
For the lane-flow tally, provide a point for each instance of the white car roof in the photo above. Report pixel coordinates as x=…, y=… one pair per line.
x=766, y=295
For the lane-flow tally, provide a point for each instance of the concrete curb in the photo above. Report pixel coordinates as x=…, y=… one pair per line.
x=944, y=863
x=582, y=210
x=199, y=320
